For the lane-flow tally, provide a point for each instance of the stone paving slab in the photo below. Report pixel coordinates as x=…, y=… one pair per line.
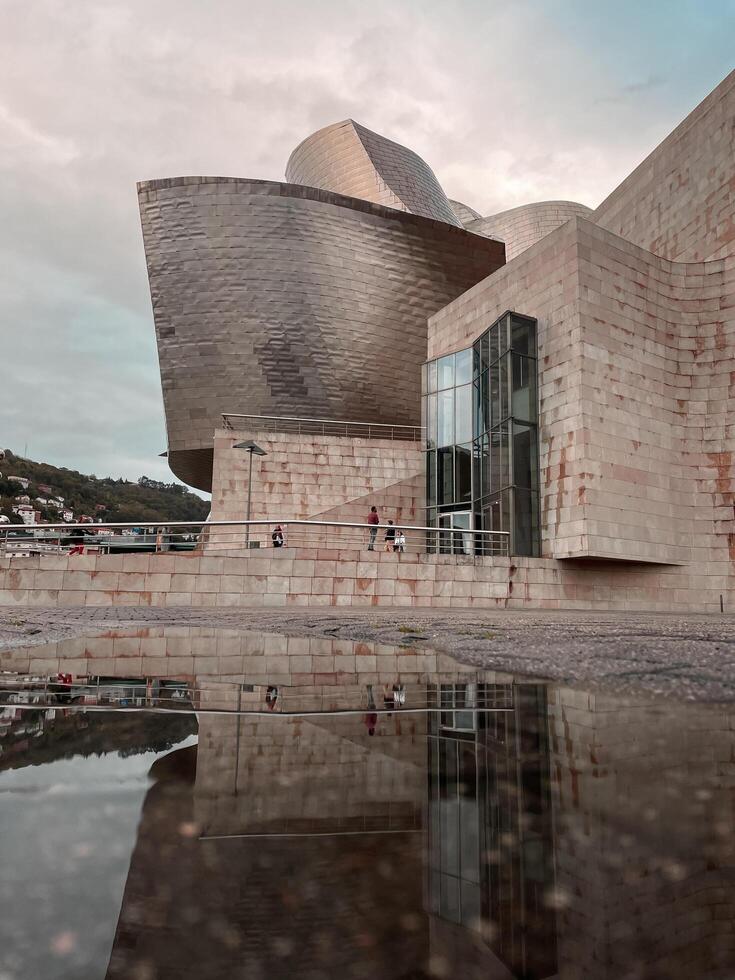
x=685, y=657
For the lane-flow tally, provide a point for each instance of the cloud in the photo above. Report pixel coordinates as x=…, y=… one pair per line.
x=505, y=101
x=627, y=92
x=16, y=132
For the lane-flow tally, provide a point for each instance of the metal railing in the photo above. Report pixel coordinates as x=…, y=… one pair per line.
x=323, y=427
x=207, y=537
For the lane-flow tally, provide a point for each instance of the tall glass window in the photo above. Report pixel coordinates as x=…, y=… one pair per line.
x=481, y=416
x=445, y=416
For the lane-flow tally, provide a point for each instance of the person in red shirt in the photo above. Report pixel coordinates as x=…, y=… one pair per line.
x=371, y=721
x=373, y=520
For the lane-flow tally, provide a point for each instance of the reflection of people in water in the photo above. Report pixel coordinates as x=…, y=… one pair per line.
x=370, y=698
x=399, y=695
x=271, y=696
x=371, y=720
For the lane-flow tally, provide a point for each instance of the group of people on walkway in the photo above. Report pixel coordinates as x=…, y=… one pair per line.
x=395, y=539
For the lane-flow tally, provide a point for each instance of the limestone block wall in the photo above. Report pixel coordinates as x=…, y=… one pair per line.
x=542, y=282
x=404, y=503
x=331, y=478
x=642, y=801
x=358, y=578
x=680, y=202
x=636, y=356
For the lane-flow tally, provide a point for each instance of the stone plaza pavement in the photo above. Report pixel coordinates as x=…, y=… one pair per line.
x=689, y=657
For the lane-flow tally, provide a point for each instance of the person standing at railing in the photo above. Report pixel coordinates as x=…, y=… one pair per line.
x=77, y=542
x=277, y=537
x=400, y=544
x=390, y=537
x=373, y=520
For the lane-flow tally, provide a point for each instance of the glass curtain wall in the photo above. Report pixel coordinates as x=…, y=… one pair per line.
x=481, y=417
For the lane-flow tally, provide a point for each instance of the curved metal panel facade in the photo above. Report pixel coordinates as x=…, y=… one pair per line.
x=522, y=227
x=465, y=213
x=349, y=159
x=274, y=299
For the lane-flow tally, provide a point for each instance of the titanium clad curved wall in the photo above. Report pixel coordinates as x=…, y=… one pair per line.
x=349, y=159
x=465, y=213
x=522, y=227
x=273, y=299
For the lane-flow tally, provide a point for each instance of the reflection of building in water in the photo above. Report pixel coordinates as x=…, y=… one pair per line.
x=299, y=848
x=306, y=847
x=490, y=831
x=296, y=852
x=644, y=837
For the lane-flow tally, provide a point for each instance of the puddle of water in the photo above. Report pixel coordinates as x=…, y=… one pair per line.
x=475, y=826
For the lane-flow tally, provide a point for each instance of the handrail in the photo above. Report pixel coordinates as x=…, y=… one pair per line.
x=271, y=522
x=307, y=426
x=223, y=536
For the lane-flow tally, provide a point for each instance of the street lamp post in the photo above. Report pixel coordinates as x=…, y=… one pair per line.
x=254, y=450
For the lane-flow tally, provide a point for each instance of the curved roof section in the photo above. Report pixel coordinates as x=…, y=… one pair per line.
x=522, y=227
x=464, y=212
x=350, y=159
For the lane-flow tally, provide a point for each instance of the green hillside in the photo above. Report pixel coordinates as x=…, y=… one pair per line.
x=106, y=498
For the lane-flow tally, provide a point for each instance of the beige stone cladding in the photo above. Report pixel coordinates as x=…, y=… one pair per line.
x=355, y=577
x=635, y=362
x=271, y=299
x=404, y=503
x=680, y=202
x=642, y=800
x=333, y=478
x=522, y=227
x=351, y=159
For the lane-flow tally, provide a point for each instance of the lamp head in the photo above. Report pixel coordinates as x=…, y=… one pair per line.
x=251, y=447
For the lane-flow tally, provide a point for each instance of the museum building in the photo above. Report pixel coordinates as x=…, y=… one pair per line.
x=556, y=375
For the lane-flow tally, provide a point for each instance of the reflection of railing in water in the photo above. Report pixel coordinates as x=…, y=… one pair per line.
x=27, y=691
x=36, y=692
x=237, y=536
x=291, y=425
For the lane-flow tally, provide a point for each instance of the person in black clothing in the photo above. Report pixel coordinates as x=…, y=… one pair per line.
x=277, y=537
x=390, y=537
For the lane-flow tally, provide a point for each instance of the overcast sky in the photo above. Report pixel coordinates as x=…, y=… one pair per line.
x=509, y=102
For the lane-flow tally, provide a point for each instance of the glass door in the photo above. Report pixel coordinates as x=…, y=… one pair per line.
x=461, y=533
x=457, y=536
